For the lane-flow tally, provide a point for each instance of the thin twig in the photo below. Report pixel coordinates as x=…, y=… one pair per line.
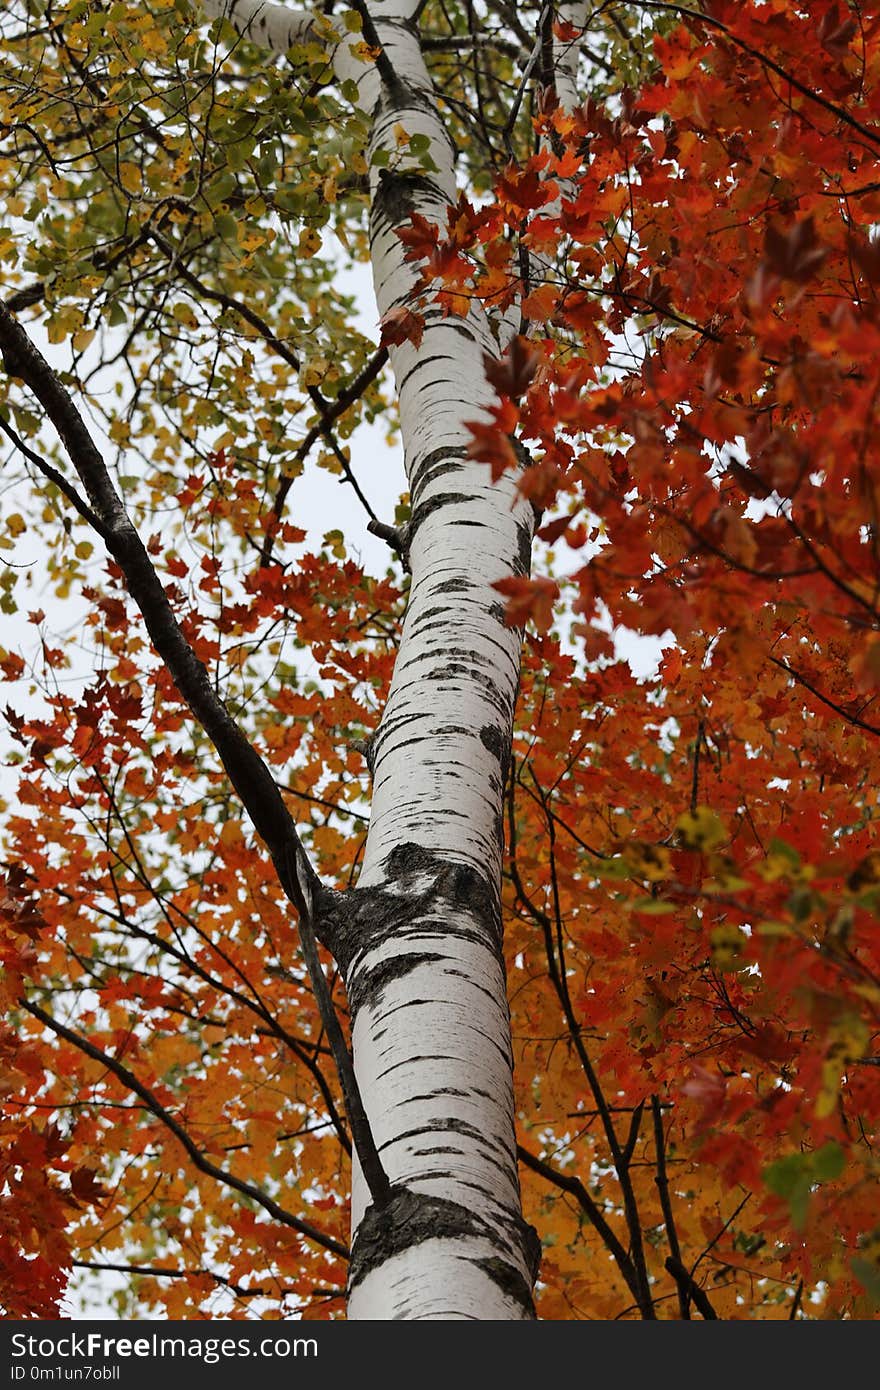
x=872, y=135
x=808, y=685
x=248, y=773
x=204, y=1165
x=574, y=1186
x=662, y=1181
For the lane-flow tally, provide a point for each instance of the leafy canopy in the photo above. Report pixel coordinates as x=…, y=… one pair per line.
x=693, y=875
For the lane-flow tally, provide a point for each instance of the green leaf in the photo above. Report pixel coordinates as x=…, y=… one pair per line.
x=828, y=1162
x=793, y=1178
x=227, y=227
x=788, y=1178
x=868, y=1275
x=787, y=851
x=615, y=869
x=801, y=903
x=220, y=188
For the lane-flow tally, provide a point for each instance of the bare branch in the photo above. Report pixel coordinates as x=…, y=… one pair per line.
x=662, y=1181
x=64, y=487
x=840, y=114
x=574, y=1186
x=838, y=709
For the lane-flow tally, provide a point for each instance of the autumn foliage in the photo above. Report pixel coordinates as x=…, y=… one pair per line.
x=692, y=887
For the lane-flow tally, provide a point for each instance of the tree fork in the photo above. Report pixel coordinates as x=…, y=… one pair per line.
x=246, y=770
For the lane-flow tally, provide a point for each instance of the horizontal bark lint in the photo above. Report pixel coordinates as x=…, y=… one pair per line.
x=371, y=983
x=510, y=1281
x=459, y=584
x=434, y=503
x=448, y=459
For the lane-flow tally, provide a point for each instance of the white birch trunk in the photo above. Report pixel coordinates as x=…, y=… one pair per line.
x=424, y=969
x=419, y=939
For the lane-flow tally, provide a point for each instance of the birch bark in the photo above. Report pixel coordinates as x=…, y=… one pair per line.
x=419, y=938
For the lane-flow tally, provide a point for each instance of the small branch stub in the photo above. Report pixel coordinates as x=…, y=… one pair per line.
x=396, y=537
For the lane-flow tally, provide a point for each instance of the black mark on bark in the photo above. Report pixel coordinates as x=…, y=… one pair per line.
x=413, y=1217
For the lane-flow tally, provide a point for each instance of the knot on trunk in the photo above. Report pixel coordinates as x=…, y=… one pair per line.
x=410, y=1218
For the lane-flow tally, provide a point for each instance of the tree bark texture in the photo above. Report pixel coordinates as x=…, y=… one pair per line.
x=419, y=938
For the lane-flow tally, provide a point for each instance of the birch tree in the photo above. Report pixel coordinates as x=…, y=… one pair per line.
x=376, y=939
x=437, y=1226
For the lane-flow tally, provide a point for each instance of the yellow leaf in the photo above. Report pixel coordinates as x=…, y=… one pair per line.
x=230, y=833
x=848, y=1040
x=646, y=861
x=153, y=41
x=364, y=52
x=701, y=829
x=329, y=462
x=309, y=243
x=336, y=542
x=313, y=372
x=130, y=177
x=184, y=315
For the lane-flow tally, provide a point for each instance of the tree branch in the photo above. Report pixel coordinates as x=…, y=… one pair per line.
x=156, y=1272
x=385, y=67
x=247, y=771
x=64, y=487
x=687, y=1285
x=262, y=22
x=838, y=111
x=592, y=1211
x=122, y=1073
x=662, y=1181
x=328, y=411
x=254, y=1002
x=808, y=685
x=621, y=1154
x=395, y=537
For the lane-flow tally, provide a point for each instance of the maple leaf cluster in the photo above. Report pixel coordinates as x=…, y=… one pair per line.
x=175, y=946
x=701, y=410
x=692, y=883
